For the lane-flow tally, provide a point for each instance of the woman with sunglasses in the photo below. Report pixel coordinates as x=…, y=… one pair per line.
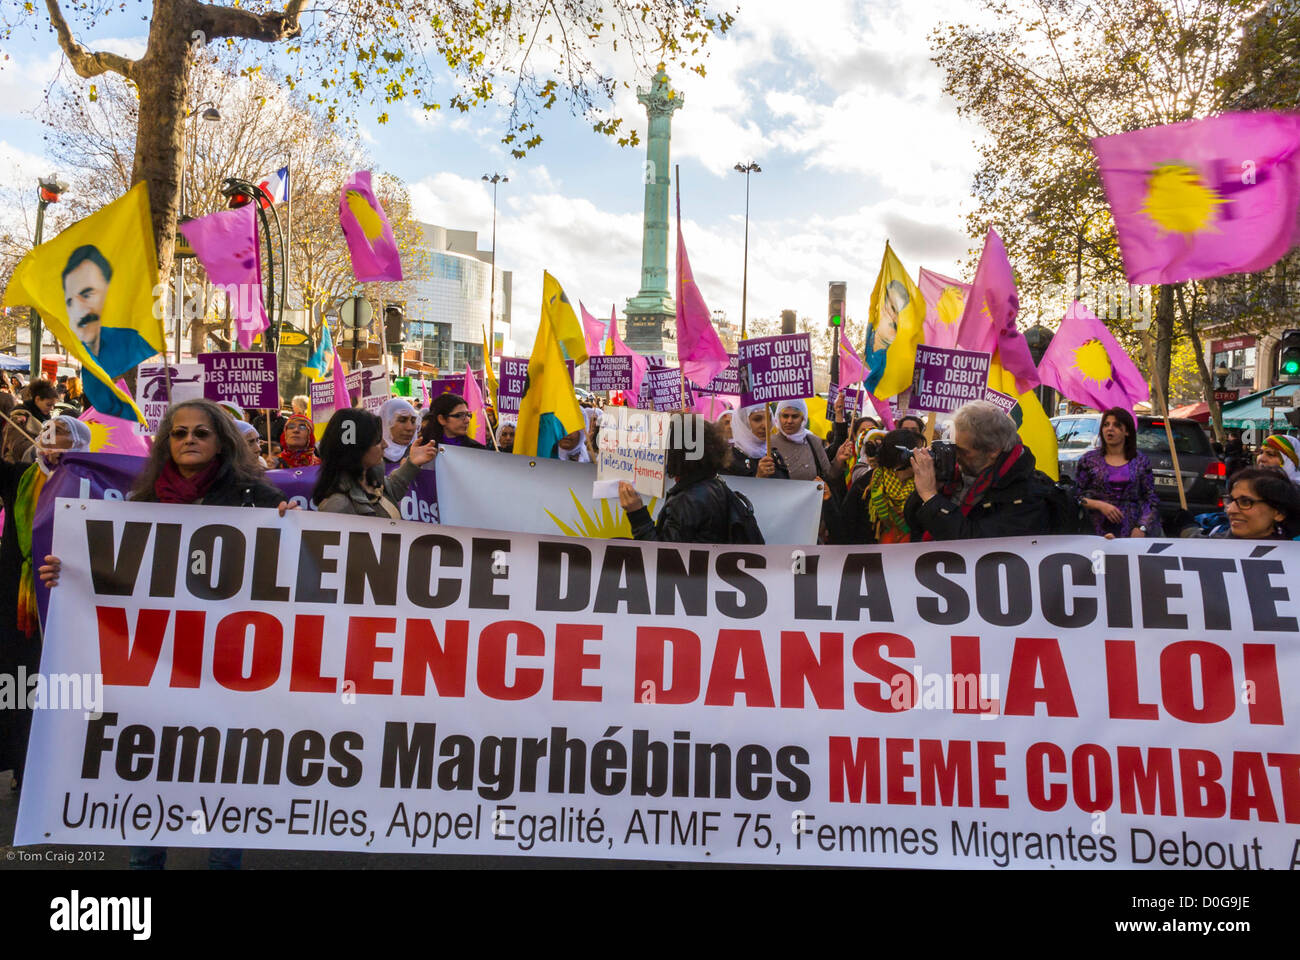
x=448, y=423
x=351, y=478
x=198, y=457
x=1262, y=504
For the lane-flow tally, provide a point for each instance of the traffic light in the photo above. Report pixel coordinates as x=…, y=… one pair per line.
x=1289, y=355
x=394, y=327
x=838, y=291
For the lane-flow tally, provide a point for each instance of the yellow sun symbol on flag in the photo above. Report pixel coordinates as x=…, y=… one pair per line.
x=950, y=305
x=608, y=524
x=1179, y=201
x=1091, y=360
x=101, y=435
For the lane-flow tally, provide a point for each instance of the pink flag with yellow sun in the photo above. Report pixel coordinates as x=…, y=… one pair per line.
x=944, y=300
x=1085, y=363
x=1203, y=198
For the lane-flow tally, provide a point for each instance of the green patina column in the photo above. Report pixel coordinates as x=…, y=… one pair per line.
x=651, y=311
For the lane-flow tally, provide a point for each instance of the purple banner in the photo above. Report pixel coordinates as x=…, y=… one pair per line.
x=511, y=380
x=727, y=381
x=946, y=379
x=105, y=476
x=610, y=373
x=666, y=389
x=251, y=380
x=775, y=368
x=854, y=398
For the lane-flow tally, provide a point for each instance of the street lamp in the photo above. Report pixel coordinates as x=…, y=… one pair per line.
x=746, y=169
x=1221, y=372
x=495, y=179
x=209, y=112
x=48, y=190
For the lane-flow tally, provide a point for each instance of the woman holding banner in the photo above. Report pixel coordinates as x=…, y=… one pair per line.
x=351, y=476
x=198, y=457
x=749, y=456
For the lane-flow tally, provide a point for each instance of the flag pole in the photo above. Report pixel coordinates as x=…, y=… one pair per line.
x=1164, y=406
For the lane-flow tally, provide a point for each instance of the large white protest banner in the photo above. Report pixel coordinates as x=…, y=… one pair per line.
x=334, y=682
x=491, y=491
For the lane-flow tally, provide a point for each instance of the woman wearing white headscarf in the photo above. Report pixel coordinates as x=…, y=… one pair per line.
x=804, y=454
x=400, y=421
x=506, y=432
x=749, y=456
x=573, y=447
x=253, y=439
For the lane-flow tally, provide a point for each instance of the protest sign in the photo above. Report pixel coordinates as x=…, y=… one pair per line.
x=772, y=369
x=151, y=390
x=337, y=683
x=944, y=379
x=1003, y=400
x=607, y=373
x=666, y=389
x=632, y=446
x=854, y=397
x=481, y=489
x=103, y=476
x=511, y=380
x=370, y=386
x=251, y=380
x=727, y=380
x=321, y=395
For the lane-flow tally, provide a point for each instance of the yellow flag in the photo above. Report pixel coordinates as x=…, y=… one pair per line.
x=1035, y=429
x=488, y=371
x=897, y=325
x=549, y=410
x=94, y=287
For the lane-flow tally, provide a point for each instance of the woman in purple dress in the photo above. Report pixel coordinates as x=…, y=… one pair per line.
x=1115, y=483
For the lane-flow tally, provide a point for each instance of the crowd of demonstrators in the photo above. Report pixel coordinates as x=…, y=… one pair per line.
x=1114, y=481
x=351, y=478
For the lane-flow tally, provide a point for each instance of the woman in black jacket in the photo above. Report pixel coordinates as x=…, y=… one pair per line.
x=698, y=507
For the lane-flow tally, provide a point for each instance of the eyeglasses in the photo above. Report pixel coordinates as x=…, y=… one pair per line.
x=180, y=433
x=1242, y=503
x=464, y=415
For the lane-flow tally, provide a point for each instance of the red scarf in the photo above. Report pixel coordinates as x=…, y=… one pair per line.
x=995, y=471
x=171, y=487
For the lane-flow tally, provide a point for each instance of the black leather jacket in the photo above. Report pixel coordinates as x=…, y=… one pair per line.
x=694, y=512
x=1014, y=505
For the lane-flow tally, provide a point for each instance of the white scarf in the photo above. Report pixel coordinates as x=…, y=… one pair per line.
x=578, y=454
x=388, y=413
x=743, y=437
x=802, y=433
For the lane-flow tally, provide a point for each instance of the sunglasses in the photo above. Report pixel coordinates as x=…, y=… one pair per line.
x=181, y=433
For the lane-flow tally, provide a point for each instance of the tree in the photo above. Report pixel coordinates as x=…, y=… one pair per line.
x=262, y=127
x=345, y=52
x=1049, y=77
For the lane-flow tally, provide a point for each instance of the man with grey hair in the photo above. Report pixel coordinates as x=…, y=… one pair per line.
x=997, y=491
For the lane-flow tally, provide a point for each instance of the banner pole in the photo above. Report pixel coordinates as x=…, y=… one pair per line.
x=1164, y=405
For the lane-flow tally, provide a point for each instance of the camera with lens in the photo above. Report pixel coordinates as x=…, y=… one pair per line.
x=871, y=448
x=942, y=452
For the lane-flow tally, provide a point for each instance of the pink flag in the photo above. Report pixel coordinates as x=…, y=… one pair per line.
x=1085, y=363
x=366, y=229
x=621, y=349
x=424, y=389
x=852, y=369
x=342, y=400
x=1203, y=198
x=226, y=244
x=478, y=411
x=883, y=410
x=113, y=435
x=944, y=299
x=714, y=405
x=699, y=351
x=593, y=332
x=988, y=320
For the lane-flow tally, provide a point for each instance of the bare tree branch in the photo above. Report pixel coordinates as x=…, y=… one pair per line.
x=86, y=64
x=218, y=21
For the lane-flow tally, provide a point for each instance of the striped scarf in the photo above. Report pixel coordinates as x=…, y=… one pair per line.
x=887, y=495
x=995, y=471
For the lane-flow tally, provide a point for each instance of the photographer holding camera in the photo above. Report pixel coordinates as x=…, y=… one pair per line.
x=983, y=484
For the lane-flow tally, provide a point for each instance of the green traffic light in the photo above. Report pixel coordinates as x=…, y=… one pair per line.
x=1291, y=367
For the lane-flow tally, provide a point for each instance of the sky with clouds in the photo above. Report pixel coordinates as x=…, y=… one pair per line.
x=836, y=99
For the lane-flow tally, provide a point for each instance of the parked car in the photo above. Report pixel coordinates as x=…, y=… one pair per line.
x=1202, y=471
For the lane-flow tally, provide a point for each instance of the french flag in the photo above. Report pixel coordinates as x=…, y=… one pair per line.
x=276, y=185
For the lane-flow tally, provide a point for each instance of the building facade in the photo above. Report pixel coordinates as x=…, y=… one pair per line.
x=449, y=306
